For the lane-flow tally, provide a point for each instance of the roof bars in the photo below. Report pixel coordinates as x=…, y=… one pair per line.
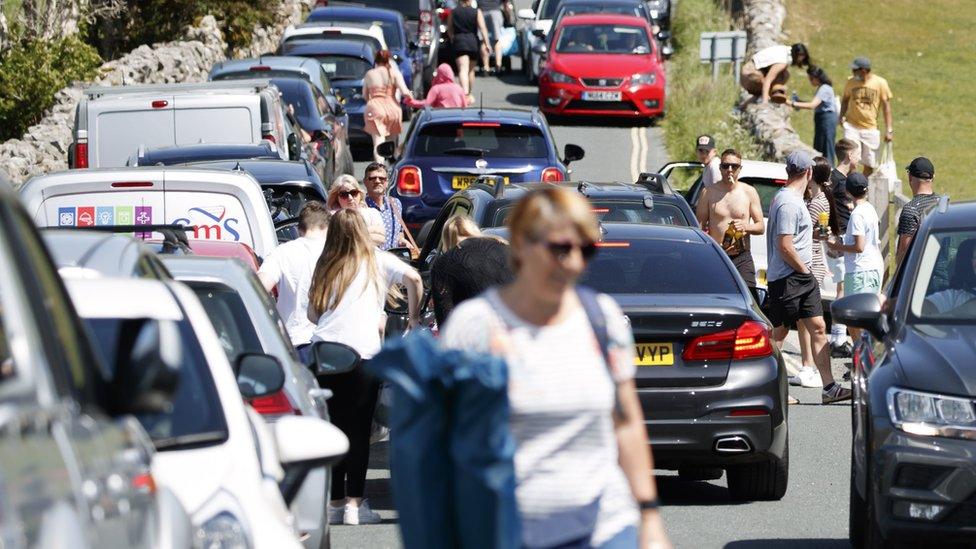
x=654, y=182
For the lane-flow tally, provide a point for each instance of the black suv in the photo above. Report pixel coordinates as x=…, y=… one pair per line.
x=913, y=456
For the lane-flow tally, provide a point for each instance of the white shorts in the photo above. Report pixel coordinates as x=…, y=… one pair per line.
x=870, y=141
x=837, y=268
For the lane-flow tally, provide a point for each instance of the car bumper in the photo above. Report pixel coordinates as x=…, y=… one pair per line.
x=910, y=469
x=685, y=425
x=567, y=99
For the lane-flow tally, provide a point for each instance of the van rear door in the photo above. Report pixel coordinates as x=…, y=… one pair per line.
x=218, y=118
x=212, y=207
x=123, y=201
x=123, y=124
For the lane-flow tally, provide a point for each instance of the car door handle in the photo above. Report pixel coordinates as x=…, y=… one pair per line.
x=320, y=394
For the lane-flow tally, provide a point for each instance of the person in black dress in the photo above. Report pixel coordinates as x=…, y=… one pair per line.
x=466, y=270
x=467, y=30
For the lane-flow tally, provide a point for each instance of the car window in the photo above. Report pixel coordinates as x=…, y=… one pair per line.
x=229, y=317
x=477, y=138
x=548, y=8
x=945, y=286
x=195, y=410
x=391, y=31
x=615, y=211
x=767, y=189
x=648, y=267
x=603, y=39
x=343, y=67
x=613, y=9
x=408, y=8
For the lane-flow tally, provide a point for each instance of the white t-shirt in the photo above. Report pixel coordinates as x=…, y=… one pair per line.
x=356, y=319
x=948, y=300
x=374, y=220
x=863, y=221
x=712, y=173
x=561, y=397
x=772, y=55
x=292, y=265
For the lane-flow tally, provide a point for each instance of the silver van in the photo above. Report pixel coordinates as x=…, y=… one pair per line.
x=111, y=123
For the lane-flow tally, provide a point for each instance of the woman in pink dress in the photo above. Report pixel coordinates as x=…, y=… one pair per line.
x=383, y=114
x=444, y=91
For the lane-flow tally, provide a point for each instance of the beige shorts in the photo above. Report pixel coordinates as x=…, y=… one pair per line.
x=870, y=141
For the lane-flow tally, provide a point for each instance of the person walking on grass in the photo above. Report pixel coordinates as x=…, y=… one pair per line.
x=794, y=296
x=864, y=95
x=920, y=175
x=824, y=112
x=848, y=154
x=862, y=252
x=707, y=155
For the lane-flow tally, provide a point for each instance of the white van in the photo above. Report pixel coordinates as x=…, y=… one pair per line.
x=218, y=204
x=112, y=123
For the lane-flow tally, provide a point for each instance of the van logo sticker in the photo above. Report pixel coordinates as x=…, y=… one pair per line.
x=104, y=215
x=86, y=216
x=66, y=217
x=214, y=225
x=143, y=217
x=123, y=215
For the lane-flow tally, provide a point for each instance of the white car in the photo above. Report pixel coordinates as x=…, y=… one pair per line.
x=536, y=24
x=216, y=454
x=369, y=34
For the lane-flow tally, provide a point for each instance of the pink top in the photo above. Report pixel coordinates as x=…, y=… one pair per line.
x=444, y=92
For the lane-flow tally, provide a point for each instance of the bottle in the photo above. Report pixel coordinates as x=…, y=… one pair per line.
x=823, y=223
x=732, y=242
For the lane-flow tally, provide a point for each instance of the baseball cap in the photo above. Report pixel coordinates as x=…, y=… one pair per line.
x=861, y=63
x=705, y=143
x=798, y=162
x=857, y=183
x=921, y=168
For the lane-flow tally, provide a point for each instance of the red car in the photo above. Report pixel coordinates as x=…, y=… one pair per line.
x=605, y=65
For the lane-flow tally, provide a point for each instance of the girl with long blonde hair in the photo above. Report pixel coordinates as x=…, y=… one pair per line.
x=350, y=283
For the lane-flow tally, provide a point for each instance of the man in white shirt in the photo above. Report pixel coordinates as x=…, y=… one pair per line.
x=290, y=267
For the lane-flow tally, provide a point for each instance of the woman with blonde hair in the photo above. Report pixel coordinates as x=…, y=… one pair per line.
x=456, y=229
x=583, y=464
x=350, y=284
x=347, y=194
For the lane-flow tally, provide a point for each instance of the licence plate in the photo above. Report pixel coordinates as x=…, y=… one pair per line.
x=601, y=96
x=654, y=354
x=464, y=181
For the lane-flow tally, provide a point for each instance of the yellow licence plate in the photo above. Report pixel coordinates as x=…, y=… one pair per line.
x=464, y=181
x=654, y=354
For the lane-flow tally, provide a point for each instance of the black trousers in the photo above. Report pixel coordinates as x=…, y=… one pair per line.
x=351, y=408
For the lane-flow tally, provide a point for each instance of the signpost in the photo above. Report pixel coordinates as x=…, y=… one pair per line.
x=723, y=47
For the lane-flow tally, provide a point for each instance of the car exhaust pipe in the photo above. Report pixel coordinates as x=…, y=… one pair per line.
x=733, y=445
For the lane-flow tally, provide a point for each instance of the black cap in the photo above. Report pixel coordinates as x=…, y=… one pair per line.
x=857, y=184
x=861, y=63
x=705, y=143
x=921, y=168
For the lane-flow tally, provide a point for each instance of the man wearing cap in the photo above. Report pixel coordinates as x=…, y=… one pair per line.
x=705, y=149
x=794, y=295
x=864, y=93
x=920, y=175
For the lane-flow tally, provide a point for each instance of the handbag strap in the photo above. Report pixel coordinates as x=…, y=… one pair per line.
x=395, y=206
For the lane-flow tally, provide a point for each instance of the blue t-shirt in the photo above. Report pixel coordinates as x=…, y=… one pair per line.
x=826, y=95
x=788, y=214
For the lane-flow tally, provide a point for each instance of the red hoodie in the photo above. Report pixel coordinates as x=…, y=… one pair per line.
x=444, y=92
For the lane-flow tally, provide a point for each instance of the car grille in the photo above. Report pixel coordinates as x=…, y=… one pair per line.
x=603, y=82
x=578, y=105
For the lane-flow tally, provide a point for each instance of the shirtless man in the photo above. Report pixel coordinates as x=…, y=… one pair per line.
x=729, y=202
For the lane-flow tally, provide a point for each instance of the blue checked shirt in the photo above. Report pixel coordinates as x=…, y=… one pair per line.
x=391, y=221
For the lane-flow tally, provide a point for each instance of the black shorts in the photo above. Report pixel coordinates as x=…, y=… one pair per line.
x=747, y=269
x=792, y=298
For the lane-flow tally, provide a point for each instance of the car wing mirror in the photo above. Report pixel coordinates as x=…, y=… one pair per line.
x=330, y=357
x=861, y=311
x=304, y=444
x=402, y=253
x=148, y=370
x=572, y=153
x=258, y=375
x=413, y=45
x=387, y=150
x=525, y=13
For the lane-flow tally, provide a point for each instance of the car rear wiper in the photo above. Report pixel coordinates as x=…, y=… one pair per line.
x=195, y=439
x=465, y=151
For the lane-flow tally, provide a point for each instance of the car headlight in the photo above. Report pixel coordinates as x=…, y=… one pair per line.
x=223, y=531
x=643, y=78
x=560, y=78
x=930, y=414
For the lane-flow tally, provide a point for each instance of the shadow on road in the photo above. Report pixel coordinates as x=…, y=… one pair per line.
x=523, y=99
x=599, y=122
x=788, y=543
x=676, y=492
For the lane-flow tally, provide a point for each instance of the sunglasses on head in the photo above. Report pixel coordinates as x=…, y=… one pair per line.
x=561, y=250
x=729, y=166
x=347, y=194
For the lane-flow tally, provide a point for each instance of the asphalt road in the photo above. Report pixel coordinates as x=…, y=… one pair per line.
x=697, y=514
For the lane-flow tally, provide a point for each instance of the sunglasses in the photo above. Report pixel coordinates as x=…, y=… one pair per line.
x=347, y=194
x=561, y=250
x=729, y=166
x=377, y=178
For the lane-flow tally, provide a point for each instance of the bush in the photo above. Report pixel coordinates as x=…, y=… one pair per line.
x=32, y=72
x=696, y=104
x=151, y=21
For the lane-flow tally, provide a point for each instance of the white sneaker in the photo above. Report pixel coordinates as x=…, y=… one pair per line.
x=807, y=376
x=361, y=515
x=335, y=513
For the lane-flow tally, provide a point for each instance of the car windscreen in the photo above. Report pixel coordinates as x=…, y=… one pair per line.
x=410, y=9
x=343, y=67
x=616, y=211
x=302, y=101
x=229, y=317
x=945, y=284
x=195, y=417
x=767, y=189
x=262, y=74
x=644, y=266
x=481, y=138
x=596, y=7
x=390, y=31
x=603, y=39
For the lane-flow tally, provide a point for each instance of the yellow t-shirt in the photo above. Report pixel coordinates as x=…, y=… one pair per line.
x=864, y=99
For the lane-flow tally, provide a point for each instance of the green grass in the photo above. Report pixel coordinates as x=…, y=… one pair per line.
x=926, y=52
x=696, y=105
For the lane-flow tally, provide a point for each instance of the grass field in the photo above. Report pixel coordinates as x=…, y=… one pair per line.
x=925, y=49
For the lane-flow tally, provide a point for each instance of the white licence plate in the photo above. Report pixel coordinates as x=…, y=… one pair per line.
x=601, y=96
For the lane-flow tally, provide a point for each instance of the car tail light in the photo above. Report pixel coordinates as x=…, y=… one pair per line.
x=260, y=68
x=481, y=124
x=131, y=184
x=603, y=244
x=81, y=155
x=276, y=404
x=426, y=27
x=751, y=340
x=270, y=137
x=552, y=175
x=144, y=482
x=409, y=181
x=779, y=181
x=444, y=14
x=749, y=412
x=159, y=104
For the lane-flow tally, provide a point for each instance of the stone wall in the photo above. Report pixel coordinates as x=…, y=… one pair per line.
x=769, y=122
x=44, y=147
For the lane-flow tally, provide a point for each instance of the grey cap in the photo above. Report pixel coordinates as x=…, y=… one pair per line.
x=798, y=162
x=861, y=63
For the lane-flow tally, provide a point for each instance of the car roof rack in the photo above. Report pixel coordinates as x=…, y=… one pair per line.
x=655, y=182
x=174, y=236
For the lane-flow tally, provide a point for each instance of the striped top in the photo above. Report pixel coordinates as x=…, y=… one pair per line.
x=818, y=266
x=569, y=483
